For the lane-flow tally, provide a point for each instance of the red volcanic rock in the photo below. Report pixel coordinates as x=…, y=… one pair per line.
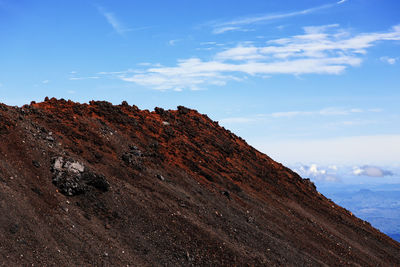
x=97, y=184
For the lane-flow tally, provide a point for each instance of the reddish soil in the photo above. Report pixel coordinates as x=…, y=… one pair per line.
x=102, y=185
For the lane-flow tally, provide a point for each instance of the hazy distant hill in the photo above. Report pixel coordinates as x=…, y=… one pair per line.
x=380, y=207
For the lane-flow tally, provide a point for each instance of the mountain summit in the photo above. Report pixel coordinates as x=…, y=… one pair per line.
x=99, y=184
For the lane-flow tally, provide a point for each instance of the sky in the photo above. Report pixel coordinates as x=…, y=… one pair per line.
x=314, y=84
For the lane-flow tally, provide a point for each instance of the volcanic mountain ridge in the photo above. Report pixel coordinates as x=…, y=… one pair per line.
x=103, y=185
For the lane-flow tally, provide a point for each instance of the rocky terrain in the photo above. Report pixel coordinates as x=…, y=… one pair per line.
x=103, y=185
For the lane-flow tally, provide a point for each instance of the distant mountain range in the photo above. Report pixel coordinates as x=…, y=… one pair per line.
x=380, y=206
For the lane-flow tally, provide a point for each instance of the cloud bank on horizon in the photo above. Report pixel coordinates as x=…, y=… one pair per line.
x=345, y=173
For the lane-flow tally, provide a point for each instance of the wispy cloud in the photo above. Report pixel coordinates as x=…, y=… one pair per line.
x=113, y=21
x=389, y=60
x=237, y=24
x=84, y=78
x=323, y=112
x=173, y=42
x=208, y=43
x=330, y=111
x=371, y=171
x=323, y=49
x=190, y=73
x=220, y=30
x=45, y=81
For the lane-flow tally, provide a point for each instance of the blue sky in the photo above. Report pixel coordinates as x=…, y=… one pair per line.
x=303, y=81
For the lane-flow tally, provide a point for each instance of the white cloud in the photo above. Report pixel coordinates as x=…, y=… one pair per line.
x=389, y=60
x=205, y=48
x=236, y=24
x=225, y=29
x=144, y=64
x=45, y=81
x=84, y=78
x=333, y=167
x=371, y=171
x=230, y=29
x=208, y=43
x=342, y=1
x=320, y=50
x=316, y=172
x=289, y=114
x=113, y=21
x=173, y=42
x=190, y=73
x=315, y=43
x=194, y=72
x=240, y=53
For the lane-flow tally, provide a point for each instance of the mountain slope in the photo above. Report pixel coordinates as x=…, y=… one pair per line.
x=97, y=184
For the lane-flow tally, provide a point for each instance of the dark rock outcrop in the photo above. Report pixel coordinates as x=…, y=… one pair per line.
x=72, y=178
